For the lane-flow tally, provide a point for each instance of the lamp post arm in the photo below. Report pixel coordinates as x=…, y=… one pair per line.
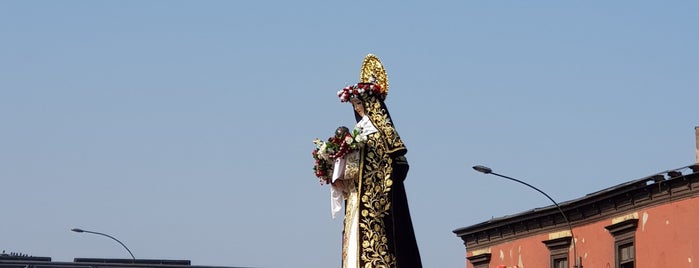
x=122, y=244
x=570, y=227
x=537, y=189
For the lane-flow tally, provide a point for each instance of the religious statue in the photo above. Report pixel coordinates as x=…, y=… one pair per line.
x=366, y=169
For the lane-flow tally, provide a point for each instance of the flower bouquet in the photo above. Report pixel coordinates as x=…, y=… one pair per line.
x=338, y=146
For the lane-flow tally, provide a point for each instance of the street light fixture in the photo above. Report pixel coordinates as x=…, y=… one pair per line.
x=78, y=230
x=487, y=170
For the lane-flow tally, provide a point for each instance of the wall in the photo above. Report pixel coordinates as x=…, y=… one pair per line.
x=667, y=236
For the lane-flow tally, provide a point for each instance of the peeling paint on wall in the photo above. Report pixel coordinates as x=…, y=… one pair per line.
x=625, y=218
x=645, y=219
x=480, y=251
x=559, y=234
x=502, y=255
x=520, y=264
x=519, y=258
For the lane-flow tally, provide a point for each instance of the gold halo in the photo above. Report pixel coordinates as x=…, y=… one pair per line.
x=372, y=67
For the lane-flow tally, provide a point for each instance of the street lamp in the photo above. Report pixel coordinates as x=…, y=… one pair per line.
x=78, y=230
x=487, y=170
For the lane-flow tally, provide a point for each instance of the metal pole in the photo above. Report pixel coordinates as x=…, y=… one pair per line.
x=78, y=230
x=487, y=170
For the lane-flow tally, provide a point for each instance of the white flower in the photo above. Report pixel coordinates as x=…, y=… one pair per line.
x=323, y=152
x=349, y=140
x=361, y=138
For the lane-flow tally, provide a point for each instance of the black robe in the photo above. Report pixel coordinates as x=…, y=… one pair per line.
x=386, y=235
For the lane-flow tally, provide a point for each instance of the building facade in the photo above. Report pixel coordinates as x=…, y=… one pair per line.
x=652, y=222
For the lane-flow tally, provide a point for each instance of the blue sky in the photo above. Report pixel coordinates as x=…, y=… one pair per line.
x=184, y=128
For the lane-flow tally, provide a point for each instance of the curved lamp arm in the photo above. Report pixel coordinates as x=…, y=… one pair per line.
x=78, y=230
x=487, y=170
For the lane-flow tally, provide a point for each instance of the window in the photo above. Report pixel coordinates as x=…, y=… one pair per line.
x=559, y=250
x=560, y=263
x=625, y=255
x=624, y=243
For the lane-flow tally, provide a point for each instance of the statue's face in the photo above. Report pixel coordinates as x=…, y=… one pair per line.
x=358, y=106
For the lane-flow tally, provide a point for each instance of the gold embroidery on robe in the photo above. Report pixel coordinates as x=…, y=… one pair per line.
x=375, y=186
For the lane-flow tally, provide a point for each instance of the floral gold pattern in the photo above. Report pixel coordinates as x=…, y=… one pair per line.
x=375, y=187
x=375, y=204
x=379, y=117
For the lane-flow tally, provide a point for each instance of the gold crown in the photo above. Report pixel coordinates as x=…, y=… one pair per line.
x=373, y=72
x=372, y=81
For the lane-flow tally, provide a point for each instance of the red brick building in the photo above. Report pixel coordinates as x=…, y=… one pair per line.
x=651, y=222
